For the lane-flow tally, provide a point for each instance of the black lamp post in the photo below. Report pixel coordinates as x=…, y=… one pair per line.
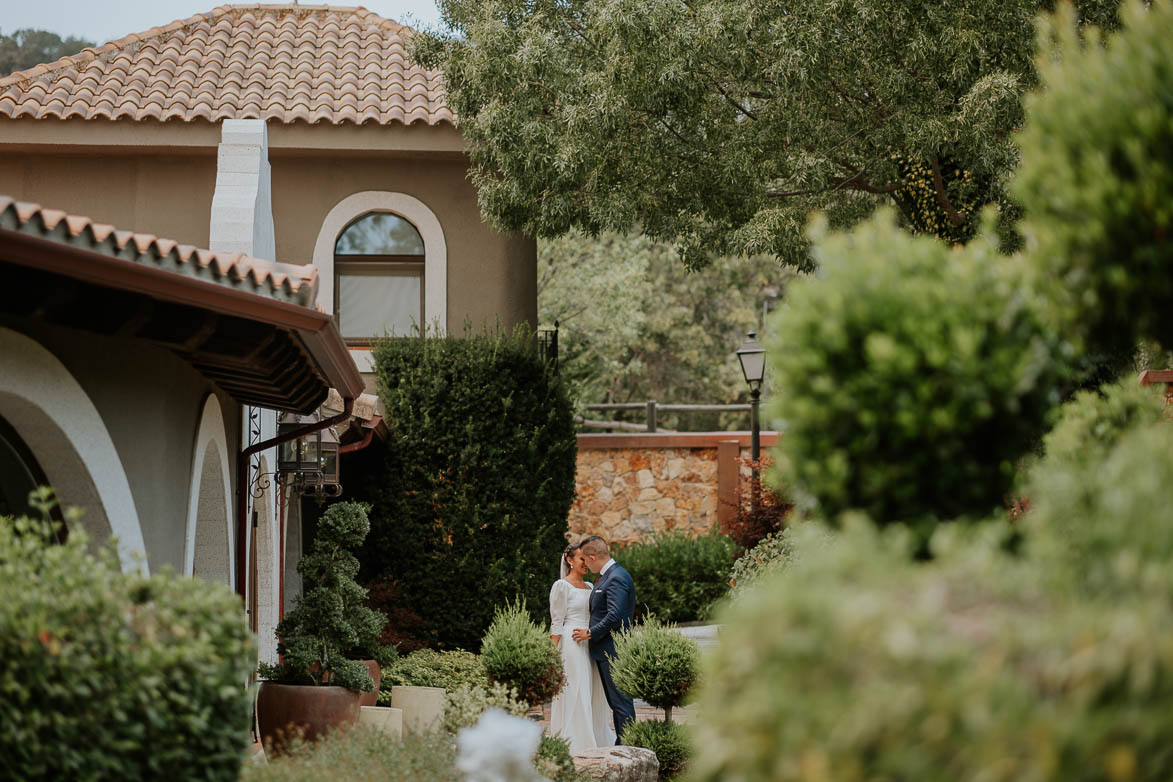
x=752, y=357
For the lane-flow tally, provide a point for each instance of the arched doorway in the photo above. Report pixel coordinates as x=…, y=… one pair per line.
x=209, y=520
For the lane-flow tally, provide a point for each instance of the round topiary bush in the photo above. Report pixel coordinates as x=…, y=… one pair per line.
x=668, y=740
x=519, y=654
x=112, y=675
x=1096, y=179
x=655, y=663
x=909, y=378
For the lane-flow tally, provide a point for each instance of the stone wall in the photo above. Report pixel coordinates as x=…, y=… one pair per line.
x=631, y=486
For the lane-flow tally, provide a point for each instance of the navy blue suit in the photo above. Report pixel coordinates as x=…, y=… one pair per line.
x=612, y=605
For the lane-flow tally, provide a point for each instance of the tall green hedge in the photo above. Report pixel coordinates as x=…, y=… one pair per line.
x=471, y=489
x=108, y=675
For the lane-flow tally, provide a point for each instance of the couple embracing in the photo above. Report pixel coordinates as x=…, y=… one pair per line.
x=582, y=619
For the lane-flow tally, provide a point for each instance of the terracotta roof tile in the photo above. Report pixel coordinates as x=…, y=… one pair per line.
x=284, y=282
x=326, y=63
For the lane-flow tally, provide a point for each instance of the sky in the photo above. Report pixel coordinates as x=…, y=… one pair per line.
x=106, y=20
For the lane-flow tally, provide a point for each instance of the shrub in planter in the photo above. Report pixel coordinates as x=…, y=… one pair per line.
x=655, y=663
x=464, y=705
x=109, y=675
x=519, y=654
x=677, y=576
x=450, y=670
x=669, y=740
x=472, y=488
x=910, y=376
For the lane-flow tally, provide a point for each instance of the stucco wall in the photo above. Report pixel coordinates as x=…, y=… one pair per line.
x=490, y=274
x=165, y=195
x=150, y=402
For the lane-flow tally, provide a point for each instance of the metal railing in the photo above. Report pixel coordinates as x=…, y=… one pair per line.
x=651, y=410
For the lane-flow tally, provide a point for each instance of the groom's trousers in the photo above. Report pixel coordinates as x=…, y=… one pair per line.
x=622, y=707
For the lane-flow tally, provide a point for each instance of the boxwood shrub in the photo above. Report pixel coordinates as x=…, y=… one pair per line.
x=108, y=675
x=471, y=490
x=678, y=577
x=519, y=654
x=430, y=668
x=669, y=740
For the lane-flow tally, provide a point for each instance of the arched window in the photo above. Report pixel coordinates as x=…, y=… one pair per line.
x=19, y=473
x=379, y=269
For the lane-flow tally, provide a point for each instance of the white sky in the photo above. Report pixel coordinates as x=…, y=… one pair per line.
x=106, y=20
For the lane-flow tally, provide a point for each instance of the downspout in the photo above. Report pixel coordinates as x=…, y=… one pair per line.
x=363, y=443
x=242, y=484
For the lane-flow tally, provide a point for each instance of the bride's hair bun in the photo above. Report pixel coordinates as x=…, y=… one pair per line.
x=573, y=547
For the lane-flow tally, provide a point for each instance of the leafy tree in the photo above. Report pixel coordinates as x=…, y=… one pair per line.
x=720, y=124
x=25, y=48
x=632, y=327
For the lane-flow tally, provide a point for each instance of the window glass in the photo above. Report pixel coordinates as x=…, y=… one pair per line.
x=380, y=233
x=372, y=305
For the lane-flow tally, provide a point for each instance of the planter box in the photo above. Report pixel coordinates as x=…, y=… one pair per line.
x=287, y=710
x=381, y=718
x=423, y=707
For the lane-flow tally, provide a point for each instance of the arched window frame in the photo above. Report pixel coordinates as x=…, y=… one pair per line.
x=378, y=265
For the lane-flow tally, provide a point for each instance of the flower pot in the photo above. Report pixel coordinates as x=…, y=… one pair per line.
x=388, y=721
x=423, y=707
x=288, y=710
x=372, y=697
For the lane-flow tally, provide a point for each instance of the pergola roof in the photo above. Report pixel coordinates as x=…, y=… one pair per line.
x=247, y=324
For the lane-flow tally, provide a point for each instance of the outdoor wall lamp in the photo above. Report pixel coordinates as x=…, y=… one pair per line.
x=303, y=454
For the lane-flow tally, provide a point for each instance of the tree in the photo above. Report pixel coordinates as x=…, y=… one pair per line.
x=720, y=124
x=26, y=48
x=633, y=328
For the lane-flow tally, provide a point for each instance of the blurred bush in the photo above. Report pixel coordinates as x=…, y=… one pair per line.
x=361, y=754
x=678, y=577
x=669, y=740
x=772, y=553
x=464, y=705
x=429, y=668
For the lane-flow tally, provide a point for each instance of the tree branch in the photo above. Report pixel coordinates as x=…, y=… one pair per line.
x=942, y=198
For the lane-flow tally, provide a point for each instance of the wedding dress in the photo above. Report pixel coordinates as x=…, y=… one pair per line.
x=580, y=712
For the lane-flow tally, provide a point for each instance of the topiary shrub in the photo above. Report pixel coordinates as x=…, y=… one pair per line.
x=112, y=675
x=465, y=705
x=1096, y=179
x=430, y=668
x=668, y=740
x=909, y=378
x=655, y=663
x=322, y=640
x=554, y=762
x=472, y=488
x=678, y=576
x=519, y=654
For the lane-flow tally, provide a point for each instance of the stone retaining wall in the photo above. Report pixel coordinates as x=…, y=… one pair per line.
x=631, y=486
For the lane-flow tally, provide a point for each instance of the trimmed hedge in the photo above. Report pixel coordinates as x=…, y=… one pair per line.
x=108, y=675
x=678, y=577
x=471, y=490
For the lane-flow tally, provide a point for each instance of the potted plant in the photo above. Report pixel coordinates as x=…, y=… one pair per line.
x=325, y=640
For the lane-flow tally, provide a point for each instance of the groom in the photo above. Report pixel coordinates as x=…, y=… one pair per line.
x=612, y=603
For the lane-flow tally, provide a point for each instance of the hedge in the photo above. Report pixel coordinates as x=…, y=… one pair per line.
x=471, y=489
x=678, y=577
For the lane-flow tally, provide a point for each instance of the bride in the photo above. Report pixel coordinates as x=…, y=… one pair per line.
x=580, y=712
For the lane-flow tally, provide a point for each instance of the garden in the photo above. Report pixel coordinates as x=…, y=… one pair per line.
x=963, y=571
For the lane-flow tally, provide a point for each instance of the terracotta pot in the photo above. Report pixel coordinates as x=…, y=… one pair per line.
x=371, y=698
x=287, y=710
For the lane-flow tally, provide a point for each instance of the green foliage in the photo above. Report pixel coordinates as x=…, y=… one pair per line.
x=324, y=638
x=634, y=326
x=720, y=124
x=669, y=740
x=1092, y=422
x=655, y=663
x=910, y=377
x=554, y=762
x=472, y=488
x=678, y=576
x=1097, y=178
x=759, y=510
x=361, y=754
x=464, y=705
x=109, y=675
x=772, y=553
x=25, y=48
x=450, y=670
x=519, y=654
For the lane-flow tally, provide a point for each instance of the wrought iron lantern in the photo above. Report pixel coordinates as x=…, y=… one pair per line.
x=300, y=455
x=329, y=446
x=752, y=356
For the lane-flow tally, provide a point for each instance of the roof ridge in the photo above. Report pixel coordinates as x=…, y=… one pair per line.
x=91, y=53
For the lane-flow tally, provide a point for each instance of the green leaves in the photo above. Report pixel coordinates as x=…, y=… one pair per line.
x=656, y=663
x=518, y=653
x=678, y=577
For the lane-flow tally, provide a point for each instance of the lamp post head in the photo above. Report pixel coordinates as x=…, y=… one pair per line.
x=752, y=357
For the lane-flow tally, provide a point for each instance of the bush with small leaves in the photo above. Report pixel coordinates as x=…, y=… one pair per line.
x=1096, y=179
x=113, y=675
x=678, y=576
x=669, y=740
x=656, y=663
x=464, y=705
x=450, y=670
x=519, y=654
x=909, y=378
x=361, y=754
x=554, y=762
x=1092, y=423
x=322, y=640
x=772, y=553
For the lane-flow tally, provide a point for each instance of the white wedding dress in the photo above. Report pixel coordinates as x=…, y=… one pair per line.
x=580, y=712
